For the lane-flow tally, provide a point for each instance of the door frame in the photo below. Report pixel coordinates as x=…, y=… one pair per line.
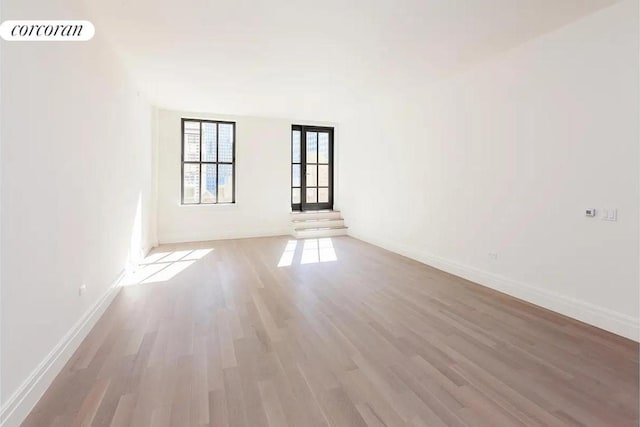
x=303, y=205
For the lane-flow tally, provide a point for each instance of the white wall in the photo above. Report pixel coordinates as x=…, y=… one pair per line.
x=504, y=159
x=263, y=203
x=76, y=187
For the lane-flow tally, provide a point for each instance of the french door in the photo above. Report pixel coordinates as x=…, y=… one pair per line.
x=311, y=168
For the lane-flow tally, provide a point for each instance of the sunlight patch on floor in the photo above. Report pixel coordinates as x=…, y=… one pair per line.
x=164, y=266
x=313, y=251
x=287, y=256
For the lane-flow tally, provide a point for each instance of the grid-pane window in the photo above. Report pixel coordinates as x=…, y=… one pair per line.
x=208, y=162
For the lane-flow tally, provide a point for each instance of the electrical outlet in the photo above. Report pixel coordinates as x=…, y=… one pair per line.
x=493, y=255
x=82, y=289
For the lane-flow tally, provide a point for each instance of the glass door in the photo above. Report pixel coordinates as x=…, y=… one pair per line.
x=311, y=168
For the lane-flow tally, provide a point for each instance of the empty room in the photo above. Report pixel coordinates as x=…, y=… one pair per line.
x=338, y=213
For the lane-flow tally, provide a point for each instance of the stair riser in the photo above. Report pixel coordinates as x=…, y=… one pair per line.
x=318, y=224
x=315, y=215
x=314, y=234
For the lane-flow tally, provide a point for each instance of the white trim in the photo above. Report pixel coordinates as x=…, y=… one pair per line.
x=21, y=402
x=600, y=317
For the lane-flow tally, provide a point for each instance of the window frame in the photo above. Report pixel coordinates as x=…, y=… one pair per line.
x=200, y=162
x=303, y=205
x=296, y=207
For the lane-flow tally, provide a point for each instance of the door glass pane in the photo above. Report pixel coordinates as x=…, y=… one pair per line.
x=312, y=147
x=191, y=184
x=191, y=141
x=225, y=183
x=295, y=195
x=312, y=175
x=208, y=178
x=295, y=148
x=323, y=175
x=208, y=142
x=323, y=147
x=295, y=176
x=323, y=195
x=225, y=142
x=312, y=195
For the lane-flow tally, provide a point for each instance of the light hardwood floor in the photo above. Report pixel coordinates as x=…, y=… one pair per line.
x=371, y=338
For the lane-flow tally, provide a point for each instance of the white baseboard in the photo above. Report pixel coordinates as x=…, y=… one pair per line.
x=600, y=317
x=205, y=237
x=21, y=402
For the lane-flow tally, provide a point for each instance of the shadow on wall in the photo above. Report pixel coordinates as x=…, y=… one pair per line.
x=136, y=251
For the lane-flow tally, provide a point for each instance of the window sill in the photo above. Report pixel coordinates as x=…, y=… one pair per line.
x=209, y=205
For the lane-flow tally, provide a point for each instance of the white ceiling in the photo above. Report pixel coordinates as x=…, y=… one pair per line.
x=312, y=60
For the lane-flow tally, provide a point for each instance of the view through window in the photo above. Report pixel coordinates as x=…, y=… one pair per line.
x=208, y=162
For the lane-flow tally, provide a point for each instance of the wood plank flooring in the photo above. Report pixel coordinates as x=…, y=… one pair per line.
x=347, y=335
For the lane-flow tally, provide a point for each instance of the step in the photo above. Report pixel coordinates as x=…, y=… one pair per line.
x=312, y=233
x=318, y=223
x=300, y=216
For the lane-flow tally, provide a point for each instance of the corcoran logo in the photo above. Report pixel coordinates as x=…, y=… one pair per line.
x=34, y=30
